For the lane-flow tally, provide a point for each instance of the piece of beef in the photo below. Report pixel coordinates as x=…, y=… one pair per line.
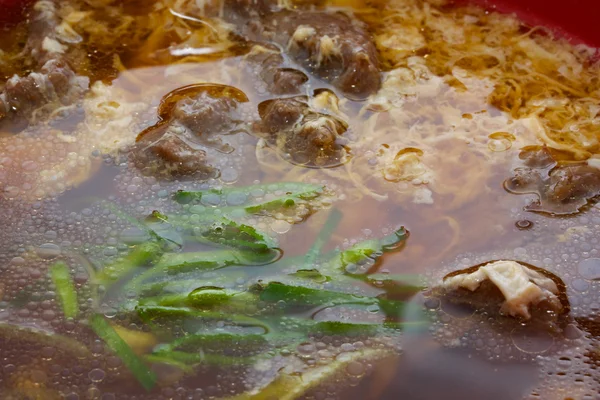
x=309, y=137
x=169, y=155
x=208, y=118
x=54, y=84
x=333, y=46
x=192, y=121
x=562, y=187
x=269, y=64
x=511, y=289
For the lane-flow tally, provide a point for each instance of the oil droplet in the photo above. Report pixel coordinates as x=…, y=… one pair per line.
x=500, y=141
x=524, y=224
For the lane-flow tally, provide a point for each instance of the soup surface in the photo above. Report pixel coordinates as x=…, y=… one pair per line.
x=234, y=199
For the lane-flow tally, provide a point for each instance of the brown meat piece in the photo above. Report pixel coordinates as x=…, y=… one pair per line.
x=192, y=120
x=562, y=188
x=508, y=288
x=335, y=47
x=281, y=114
x=169, y=155
x=268, y=63
x=55, y=84
x=208, y=118
x=310, y=138
x=287, y=80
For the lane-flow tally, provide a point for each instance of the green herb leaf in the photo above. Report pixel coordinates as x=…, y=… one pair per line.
x=291, y=193
x=304, y=296
x=145, y=376
x=335, y=216
x=65, y=289
x=142, y=255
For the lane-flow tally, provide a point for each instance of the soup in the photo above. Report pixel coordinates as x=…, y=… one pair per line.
x=278, y=200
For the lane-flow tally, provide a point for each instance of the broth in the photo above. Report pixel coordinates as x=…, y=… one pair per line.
x=277, y=228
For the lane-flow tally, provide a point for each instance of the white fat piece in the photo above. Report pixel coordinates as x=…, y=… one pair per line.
x=521, y=287
x=328, y=48
x=302, y=33
x=51, y=45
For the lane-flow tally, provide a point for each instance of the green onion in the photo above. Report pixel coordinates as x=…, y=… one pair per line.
x=335, y=216
x=292, y=192
x=143, y=374
x=65, y=289
x=142, y=255
x=304, y=296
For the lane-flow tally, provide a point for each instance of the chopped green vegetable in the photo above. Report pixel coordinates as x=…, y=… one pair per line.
x=335, y=216
x=105, y=331
x=304, y=296
x=142, y=255
x=290, y=194
x=157, y=313
x=201, y=304
x=155, y=235
x=204, y=298
x=369, y=250
x=177, y=263
x=311, y=274
x=65, y=289
x=240, y=236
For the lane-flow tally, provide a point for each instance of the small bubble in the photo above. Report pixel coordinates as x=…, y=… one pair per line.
x=96, y=375
x=229, y=175
x=355, y=368
x=590, y=268
x=281, y=226
x=306, y=348
x=48, y=250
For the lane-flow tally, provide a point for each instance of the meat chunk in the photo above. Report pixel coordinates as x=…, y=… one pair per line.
x=309, y=137
x=207, y=115
x=192, y=121
x=54, y=84
x=510, y=289
x=169, y=155
x=287, y=80
x=207, y=118
x=562, y=188
x=334, y=46
x=268, y=63
x=521, y=288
